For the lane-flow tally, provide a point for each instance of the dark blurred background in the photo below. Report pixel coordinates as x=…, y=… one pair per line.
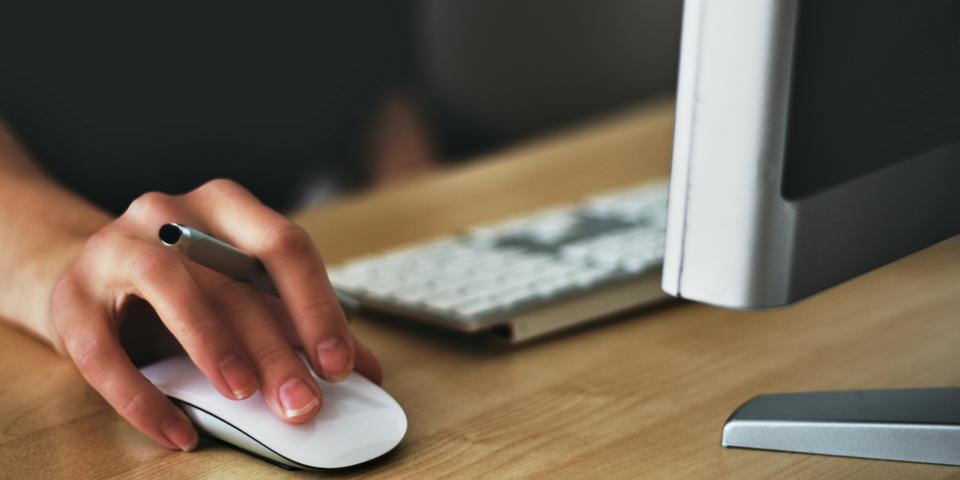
x=300, y=100
x=493, y=71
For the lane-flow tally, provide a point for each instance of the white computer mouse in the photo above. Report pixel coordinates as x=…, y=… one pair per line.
x=357, y=422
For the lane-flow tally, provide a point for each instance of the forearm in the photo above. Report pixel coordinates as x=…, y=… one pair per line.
x=43, y=227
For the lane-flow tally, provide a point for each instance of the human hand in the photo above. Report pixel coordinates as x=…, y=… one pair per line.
x=241, y=339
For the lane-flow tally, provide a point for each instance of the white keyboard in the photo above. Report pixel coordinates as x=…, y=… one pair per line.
x=526, y=276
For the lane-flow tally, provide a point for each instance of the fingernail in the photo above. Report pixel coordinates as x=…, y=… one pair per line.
x=239, y=376
x=181, y=433
x=297, y=398
x=334, y=357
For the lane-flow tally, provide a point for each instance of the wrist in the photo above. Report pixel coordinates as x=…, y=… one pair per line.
x=28, y=292
x=45, y=228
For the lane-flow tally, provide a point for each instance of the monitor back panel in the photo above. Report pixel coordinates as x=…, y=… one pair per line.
x=814, y=142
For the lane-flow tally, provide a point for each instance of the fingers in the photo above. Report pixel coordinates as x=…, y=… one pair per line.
x=287, y=386
x=92, y=345
x=367, y=363
x=293, y=262
x=117, y=265
x=160, y=277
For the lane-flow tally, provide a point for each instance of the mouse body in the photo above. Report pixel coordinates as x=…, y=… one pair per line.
x=358, y=421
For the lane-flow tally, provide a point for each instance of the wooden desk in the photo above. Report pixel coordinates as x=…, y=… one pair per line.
x=644, y=394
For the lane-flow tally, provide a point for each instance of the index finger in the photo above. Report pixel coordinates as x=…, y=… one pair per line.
x=234, y=215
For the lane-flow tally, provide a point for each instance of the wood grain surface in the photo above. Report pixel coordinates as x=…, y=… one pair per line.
x=642, y=395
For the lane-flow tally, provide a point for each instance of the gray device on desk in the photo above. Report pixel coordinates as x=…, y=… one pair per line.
x=815, y=141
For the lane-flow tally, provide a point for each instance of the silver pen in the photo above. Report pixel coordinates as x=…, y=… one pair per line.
x=221, y=257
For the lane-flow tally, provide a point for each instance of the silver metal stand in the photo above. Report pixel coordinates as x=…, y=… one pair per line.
x=910, y=425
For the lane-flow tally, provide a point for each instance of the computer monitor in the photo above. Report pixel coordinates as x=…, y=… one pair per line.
x=816, y=140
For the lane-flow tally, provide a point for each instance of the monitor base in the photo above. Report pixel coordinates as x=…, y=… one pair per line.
x=910, y=425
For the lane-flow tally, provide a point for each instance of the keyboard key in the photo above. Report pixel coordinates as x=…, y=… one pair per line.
x=636, y=265
x=608, y=258
x=512, y=295
x=443, y=300
x=384, y=286
x=454, y=278
x=588, y=275
x=414, y=293
x=346, y=282
x=552, y=286
x=480, y=287
x=477, y=306
x=576, y=251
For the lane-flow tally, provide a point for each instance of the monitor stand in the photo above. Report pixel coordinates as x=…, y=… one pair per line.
x=910, y=425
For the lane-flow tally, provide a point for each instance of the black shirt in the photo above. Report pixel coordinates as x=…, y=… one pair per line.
x=119, y=98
